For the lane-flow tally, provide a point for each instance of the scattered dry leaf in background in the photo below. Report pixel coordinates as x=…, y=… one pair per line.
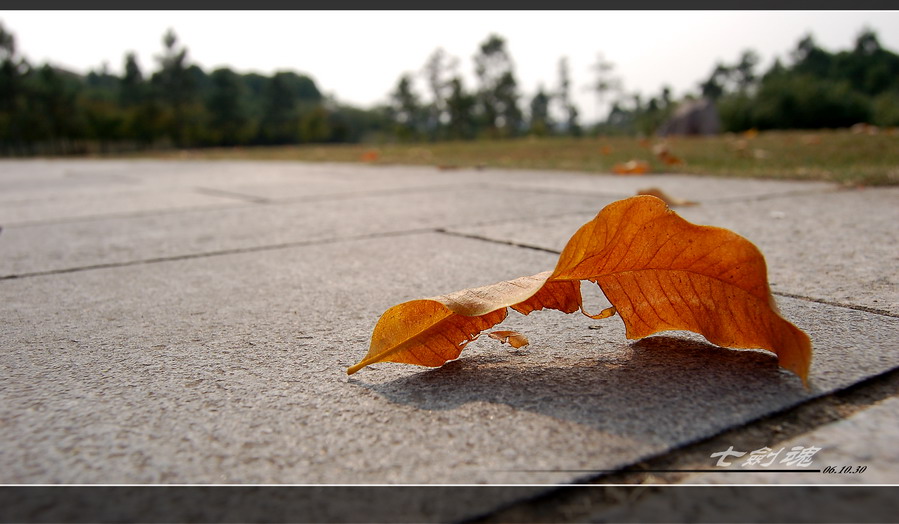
x=862, y=127
x=634, y=167
x=810, y=140
x=749, y=134
x=670, y=159
x=514, y=338
x=370, y=156
x=605, y=150
x=659, y=272
x=664, y=154
x=665, y=197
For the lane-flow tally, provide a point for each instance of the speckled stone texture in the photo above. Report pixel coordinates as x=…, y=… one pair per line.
x=191, y=322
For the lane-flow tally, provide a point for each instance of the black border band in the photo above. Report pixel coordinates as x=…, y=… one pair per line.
x=375, y=504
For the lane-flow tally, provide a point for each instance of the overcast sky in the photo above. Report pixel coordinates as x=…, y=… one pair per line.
x=357, y=56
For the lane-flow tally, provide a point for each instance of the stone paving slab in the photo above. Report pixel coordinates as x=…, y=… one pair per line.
x=60, y=208
x=117, y=240
x=503, y=184
x=70, y=181
x=205, y=340
x=244, y=181
x=835, y=246
x=39, y=192
x=232, y=369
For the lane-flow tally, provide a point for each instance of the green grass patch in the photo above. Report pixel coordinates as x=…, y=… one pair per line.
x=842, y=156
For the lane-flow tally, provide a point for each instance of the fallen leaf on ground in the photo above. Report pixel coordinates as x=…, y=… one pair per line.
x=514, y=338
x=664, y=154
x=665, y=197
x=606, y=150
x=811, y=140
x=740, y=146
x=633, y=167
x=370, y=156
x=862, y=127
x=659, y=272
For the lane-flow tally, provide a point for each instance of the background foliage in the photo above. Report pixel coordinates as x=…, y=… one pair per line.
x=47, y=110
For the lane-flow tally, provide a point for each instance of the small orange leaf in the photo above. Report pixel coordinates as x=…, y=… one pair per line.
x=670, y=159
x=431, y=331
x=664, y=154
x=633, y=167
x=665, y=197
x=659, y=271
x=370, y=156
x=810, y=140
x=605, y=150
x=514, y=338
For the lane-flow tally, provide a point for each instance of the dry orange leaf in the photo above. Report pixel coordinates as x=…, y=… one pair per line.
x=514, y=338
x=670, y=159
x=662, y=152
x=668, y=199
x=633, y=167
x=811, y=140
x=659, y=271
x=370, y=156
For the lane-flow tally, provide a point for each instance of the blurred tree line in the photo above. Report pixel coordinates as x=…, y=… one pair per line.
x=817, y=90
x=492, y=109
x=47, y=110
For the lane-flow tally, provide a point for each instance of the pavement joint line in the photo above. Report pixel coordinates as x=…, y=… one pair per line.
x=127, y=215
x=493, y=186
x=722, y=200
x=866, y=309
x=248, y=200
x=495, y=241
x=272, y=247
x=517, y=219
x=555, y=505
x=378, y=192
x=775, y=196
x=245, y=202
x=223, y=252
x=231, y=194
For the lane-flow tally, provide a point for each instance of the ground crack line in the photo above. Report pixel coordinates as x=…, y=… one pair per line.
x=232, y=195
x=837, y=304
x=232, y=251
x=496, y=241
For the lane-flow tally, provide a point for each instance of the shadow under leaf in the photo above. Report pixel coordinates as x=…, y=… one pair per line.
x=660, y=387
